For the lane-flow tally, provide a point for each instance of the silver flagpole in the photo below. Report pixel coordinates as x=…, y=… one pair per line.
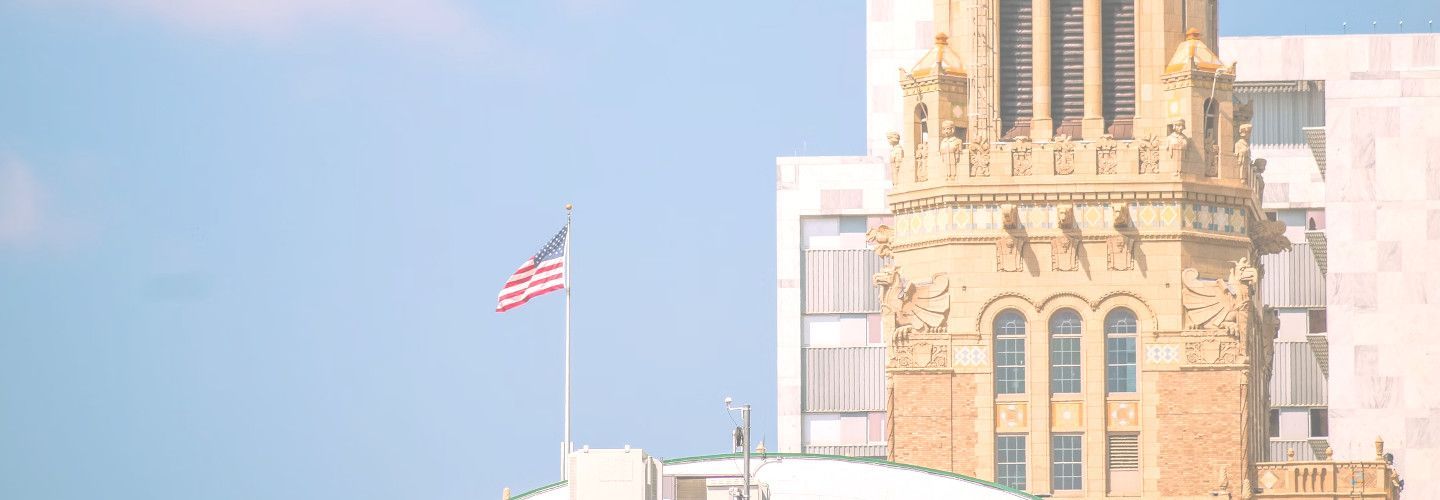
x=567, y=447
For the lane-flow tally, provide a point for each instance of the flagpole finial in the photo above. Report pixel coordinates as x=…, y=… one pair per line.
x=569, y=207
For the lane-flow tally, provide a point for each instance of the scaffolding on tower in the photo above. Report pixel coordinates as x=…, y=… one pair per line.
x=982, y=76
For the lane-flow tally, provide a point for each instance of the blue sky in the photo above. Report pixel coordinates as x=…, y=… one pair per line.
x=251, y=250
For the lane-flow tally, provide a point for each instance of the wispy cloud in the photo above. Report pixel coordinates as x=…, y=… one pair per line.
x=21, y=200
x=414, y=19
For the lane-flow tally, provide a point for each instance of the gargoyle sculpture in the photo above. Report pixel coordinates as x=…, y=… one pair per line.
x=1222, y=303
x=1269, y=237
x=880, y=237
x=912, y=307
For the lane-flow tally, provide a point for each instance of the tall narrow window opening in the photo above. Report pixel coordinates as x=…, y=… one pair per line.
x=922, y=123
x=1010, y=353
x=1065, y=460
x=1010, y=460
x=1118, y=67
x=1067, y=65
x=1120, y=335
x=1016, y=68
x=1065, y=327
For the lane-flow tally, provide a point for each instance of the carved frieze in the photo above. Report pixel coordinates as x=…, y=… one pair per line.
x=1150, y=155
x=1063, y=253
x=919, y=354
x=1105, y=154
x=980, y=158
x=1008, y=250
x=1020, y=156
x=1120, y=251
x=1064, y=155
x=1211, y=351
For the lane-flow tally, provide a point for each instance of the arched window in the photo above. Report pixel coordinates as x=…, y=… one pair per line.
x=1065, y=327
x=922, y=122
x=1121, y=329
x=1010, y=352
x=1311, y=224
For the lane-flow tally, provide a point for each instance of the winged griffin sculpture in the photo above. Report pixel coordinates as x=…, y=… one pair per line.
x=913, y=307
x=1222, y=303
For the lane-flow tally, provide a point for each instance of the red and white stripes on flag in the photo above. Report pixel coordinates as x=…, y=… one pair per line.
x=543, y=273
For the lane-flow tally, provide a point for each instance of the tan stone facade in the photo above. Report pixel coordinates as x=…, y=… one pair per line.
x=1088, y=299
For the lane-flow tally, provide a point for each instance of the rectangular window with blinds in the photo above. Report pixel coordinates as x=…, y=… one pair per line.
x=1016, y=68
x=1067, y=65
x=1122, y=459
x=1117, y=49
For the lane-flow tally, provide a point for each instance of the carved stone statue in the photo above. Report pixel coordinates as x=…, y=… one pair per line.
x=1212, y=158
x=922, y=171
x=1258, y=166
x=1150, y=155
x=897, y=156
x=1062, y=253
x=1222, y=303
x=1064, y=155
x=1242, y=153
x=950, y=148
x=1270, y=331
x=912, y=307
x=1121, y=214
x=980, y=158
x=1010, y=215
x=1269, y=237
x=1120, y=252
x=1105, y=152
x=1008, y=250
x=1020, y=154
x=880, y=237
x=1065, y=216
x=1177, y=142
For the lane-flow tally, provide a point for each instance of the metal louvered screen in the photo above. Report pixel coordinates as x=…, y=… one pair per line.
x=1296, y=378
x=1118, y=51
x=1293, y=278
x=1282, y=110
x=845, y=379
x=1123, y=451
x=1016, y=68
x=839, y=281
x=1067, y=65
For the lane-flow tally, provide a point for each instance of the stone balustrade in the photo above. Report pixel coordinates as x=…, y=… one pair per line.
x=1327, y=479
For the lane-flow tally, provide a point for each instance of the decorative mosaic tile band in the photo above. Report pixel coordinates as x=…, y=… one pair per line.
x=971, y=355
x=1162, y=354
x=1092, y=216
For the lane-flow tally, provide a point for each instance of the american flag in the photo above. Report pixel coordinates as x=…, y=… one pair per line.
x=543, y=273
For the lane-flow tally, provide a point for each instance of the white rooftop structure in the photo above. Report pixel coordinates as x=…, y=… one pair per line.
x=631, y=474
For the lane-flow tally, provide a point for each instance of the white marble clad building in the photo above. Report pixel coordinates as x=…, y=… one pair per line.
x=1379, y=205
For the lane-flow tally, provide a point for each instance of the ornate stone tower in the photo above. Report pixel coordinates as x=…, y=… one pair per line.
x=1069, y=289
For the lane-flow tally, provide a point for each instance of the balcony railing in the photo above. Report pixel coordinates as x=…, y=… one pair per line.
x=1328, y=479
